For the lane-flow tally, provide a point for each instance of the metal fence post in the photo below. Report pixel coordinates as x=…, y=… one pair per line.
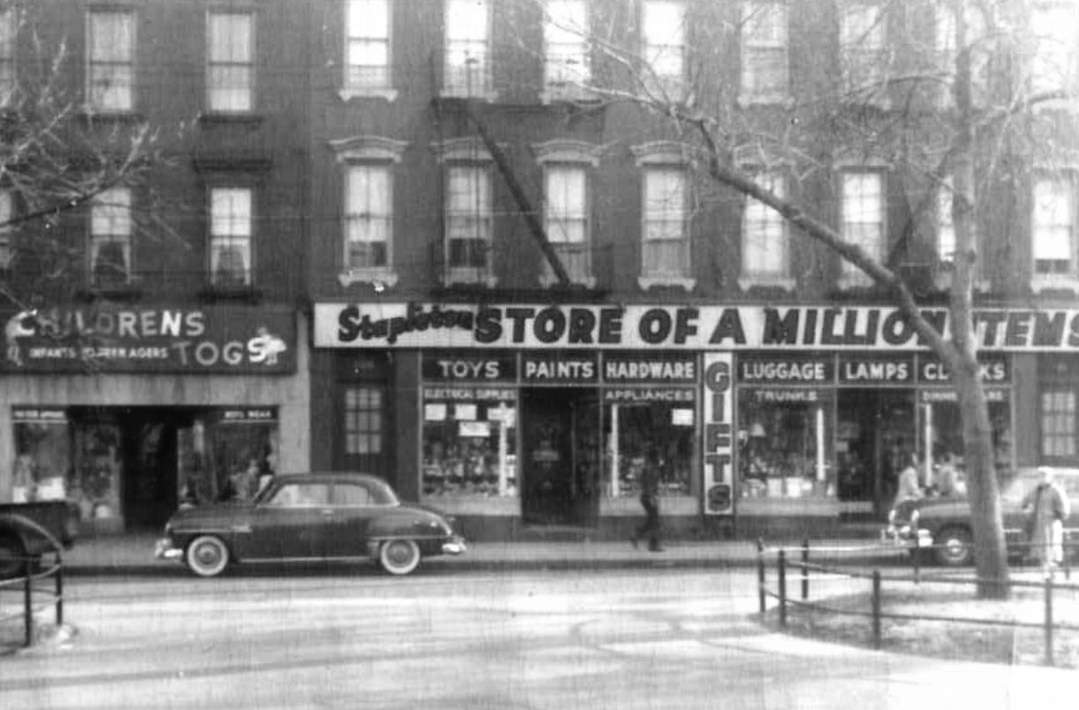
x=1049, y=621
x=760, y=575
x=805, y=568
x=876, y=609
x=59, y=591
x=915, y=554
x=28, y=607
x=782, y=571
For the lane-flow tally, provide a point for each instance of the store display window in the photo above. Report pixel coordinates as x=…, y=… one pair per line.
x=782, y=443
x=227, y=454
x=42, y=455
x=95, y=481
x=638, y=430
x=943, y=429
x=469, y=441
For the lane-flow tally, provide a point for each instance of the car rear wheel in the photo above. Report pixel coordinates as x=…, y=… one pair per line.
x=12, y=556
x=399, y=556
x=207, y=556
x=955, y=547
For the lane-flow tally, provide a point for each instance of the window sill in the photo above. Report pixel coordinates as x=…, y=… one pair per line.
x=376, y=277
x=853, y=283
x=549, y=280
x=785, y=283
x=214, y=118
x=1042, y=283
x=647, y=282
x=372, y=93
x=568, y=96
x=469, y=277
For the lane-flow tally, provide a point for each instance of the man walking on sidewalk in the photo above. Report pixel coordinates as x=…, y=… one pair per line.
x=650, y=502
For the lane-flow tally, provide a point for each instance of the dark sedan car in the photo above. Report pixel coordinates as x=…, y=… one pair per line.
x=944, y=523
x=310, y=517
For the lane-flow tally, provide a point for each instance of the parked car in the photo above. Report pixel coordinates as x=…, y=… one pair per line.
x=943, y=523
x=310, y=517
x=33, y=529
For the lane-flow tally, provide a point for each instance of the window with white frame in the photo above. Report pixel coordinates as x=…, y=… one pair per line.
x=7, y=54
x=1053, y=226
x=467, y=65
x=1054, y=29
x=368, y=216
x=665, y=243
x=367, y=46
x=567, y=68
x=110, y=80
x=469, y=222
x=110, y=237
x=663, y=31
x=765, y=67
x=231, y=70
x=765, y=243
x=7, y=211
x=862, y=219
x=863, y=52
x=565, y=212
x=231, y=220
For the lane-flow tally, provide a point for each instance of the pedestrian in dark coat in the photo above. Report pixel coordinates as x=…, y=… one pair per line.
x=650, y=478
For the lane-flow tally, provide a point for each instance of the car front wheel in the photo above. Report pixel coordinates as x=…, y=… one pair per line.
x=207, y=556
x=12, y=556
x=399, y=556
x=955, y=547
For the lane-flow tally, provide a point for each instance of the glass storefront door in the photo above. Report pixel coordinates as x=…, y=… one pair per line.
x=560, y=446
x=875, y=434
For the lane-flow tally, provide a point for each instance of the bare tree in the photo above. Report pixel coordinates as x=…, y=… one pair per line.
x=941, y=90
x=56, y=157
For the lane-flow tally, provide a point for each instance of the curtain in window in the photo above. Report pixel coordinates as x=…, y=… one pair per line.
x=565, y=34
x=663, y=24
x=231, y=53
x=863, y=217
x=110, y=230
x=764, y=51
x=468, y=217
x=111, y=54
x=567, y=218
x=466, y=47
x=665, y=248
x=368, y=44
x=368, y=216
x=230, y=236
x=862, y=38
x=1054, y=223
x=764, y=233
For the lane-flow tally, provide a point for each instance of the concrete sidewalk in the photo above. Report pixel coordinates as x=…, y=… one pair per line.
x=134, y=554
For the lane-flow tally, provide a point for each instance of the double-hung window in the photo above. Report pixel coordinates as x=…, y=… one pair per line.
x=110, y=79
x=765, y=243
x=231, y=69
x=567, y=69
x=566, y=219
x=1053, y=227
x=862, y=220
x=863, y=51
x=368, y=216
x=367, y=48
x=110, y=237
x=7, y=55
x=1054, y=29
x=945, y=224
x=663, y=29
x=231, y=227
x=467, y=65
x=665, y=242
x=765, y=72
x=469, y=222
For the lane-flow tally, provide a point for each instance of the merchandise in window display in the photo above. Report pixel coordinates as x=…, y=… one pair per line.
x=461, y=456
x=778, y=454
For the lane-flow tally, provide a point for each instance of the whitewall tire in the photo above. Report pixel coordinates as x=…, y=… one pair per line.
x=207, y=556
x=399, y=556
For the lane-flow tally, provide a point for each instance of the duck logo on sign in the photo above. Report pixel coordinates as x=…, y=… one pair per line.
x=20, y=325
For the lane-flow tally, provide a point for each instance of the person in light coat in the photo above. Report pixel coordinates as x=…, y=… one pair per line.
x=1046, y=506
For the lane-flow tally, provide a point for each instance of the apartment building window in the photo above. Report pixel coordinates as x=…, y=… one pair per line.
x=7, y=211
x=467, y=67
x=765, y=76
x=665, y=245
x=566, y=220
x=364, y=414
x=231, y=63
x=1053, y=228
x=367, y=49
x=110, y=237
x=945, y=225
x=944, y=45
x=368, y=217
x=1055, y=36
x=111, y=61
x=567, y=68
x=862, y=220
x=664, y=36
x=7, y=55
x=231, y=220
x=469, y=223
x=863, y=51
x=765, y=237
x=1058, y=430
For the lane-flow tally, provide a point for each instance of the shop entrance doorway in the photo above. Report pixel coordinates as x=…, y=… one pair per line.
x=560, y=442
x=876, y=433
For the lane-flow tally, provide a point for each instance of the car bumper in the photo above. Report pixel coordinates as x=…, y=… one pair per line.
x=454, y=546
x=164, y=550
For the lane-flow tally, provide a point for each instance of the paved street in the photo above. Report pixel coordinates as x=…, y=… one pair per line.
x=447, y=639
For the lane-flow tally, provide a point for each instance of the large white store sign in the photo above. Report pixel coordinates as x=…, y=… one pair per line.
x=718, y=441
x=642, y=326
